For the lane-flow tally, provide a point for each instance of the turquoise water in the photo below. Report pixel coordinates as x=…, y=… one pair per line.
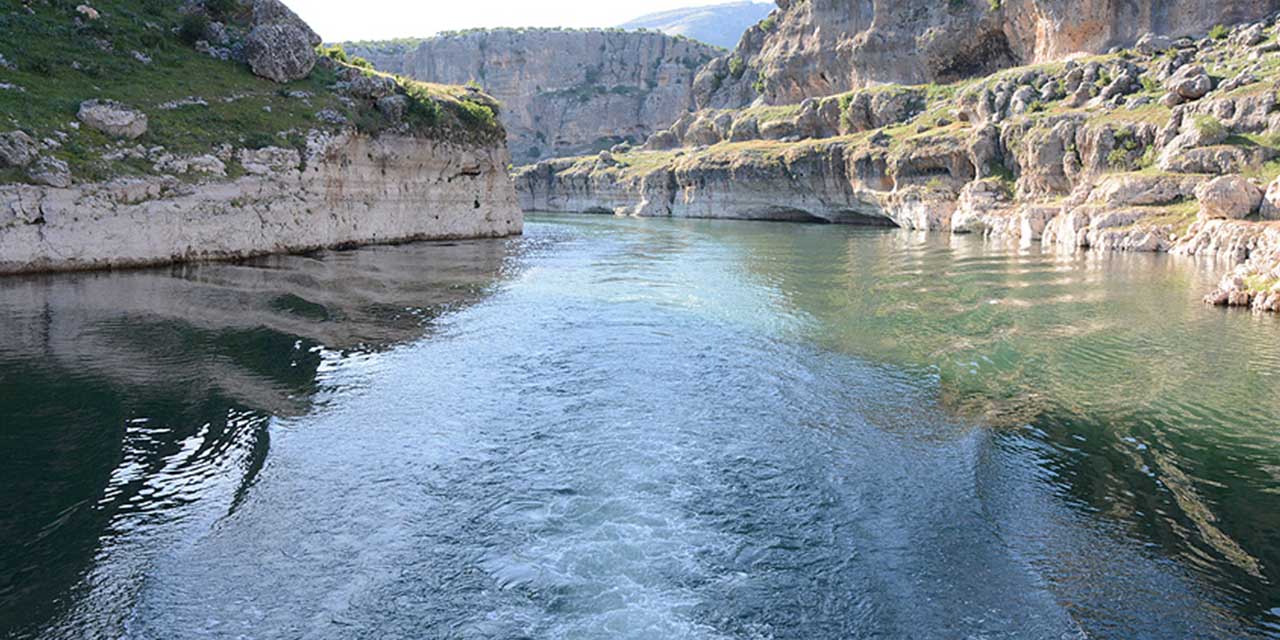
x=641, y=429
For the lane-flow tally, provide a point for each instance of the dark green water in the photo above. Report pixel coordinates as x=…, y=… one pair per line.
x=641, y=429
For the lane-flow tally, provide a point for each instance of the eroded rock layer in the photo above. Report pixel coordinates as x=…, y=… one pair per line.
x=563, y=92
x=346, y=189
x=814, y=48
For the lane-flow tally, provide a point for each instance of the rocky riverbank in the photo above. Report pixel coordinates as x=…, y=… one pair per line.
x=1170, y=145
x=217, y=129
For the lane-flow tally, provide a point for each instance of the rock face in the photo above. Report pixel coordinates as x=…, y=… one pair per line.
x=562, y=92
x=113, y=118
x=348, y=189
x=815, y=48
x=1070, y=156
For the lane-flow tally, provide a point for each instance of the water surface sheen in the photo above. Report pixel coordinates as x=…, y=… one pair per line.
x=620, y=428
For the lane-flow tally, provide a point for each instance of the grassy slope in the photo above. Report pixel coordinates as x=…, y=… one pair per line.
x=243, y=111
x=937, y=120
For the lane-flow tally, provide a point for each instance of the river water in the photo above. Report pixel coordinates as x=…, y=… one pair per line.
x=616, y=428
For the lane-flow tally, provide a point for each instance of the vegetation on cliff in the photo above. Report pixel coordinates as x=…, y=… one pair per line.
x=185, y=75
x=1172, y=145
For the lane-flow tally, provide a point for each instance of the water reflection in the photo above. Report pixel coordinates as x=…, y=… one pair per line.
x=127, y=397
x=650, y=429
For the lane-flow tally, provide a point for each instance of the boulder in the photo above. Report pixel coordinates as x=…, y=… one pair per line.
x=1190, y=82
x=51, y=172
x=281, y=52
x=1271, y=202
x=113, y=118
x=267, y=12
x=17, y=149
x=662, y=141
x=394, y=107
x=1151, y=44
x=1231, y=197
x=745, y=129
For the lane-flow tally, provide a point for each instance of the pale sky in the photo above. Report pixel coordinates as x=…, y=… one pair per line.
x=338, y=20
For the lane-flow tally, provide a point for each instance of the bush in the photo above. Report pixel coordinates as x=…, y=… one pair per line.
x=40, y=65
x=1127, y=146
x=737, y=67
x=769, y=23
x=221, y=9
x=1210, y=127
x=259, y=140
x=193, y=28
x=1219, y=32
x=477, y=114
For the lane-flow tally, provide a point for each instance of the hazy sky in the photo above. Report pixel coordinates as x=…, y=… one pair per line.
x=370, y=19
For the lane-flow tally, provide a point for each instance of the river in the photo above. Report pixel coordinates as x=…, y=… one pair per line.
x=618, y=428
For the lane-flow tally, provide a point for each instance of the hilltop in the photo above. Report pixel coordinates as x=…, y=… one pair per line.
x=721, y=25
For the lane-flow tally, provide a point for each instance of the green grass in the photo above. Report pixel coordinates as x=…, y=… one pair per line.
x=243, y=109
x=1260, y=283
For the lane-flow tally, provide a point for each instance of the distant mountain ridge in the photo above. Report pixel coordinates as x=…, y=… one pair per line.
x=721, y=25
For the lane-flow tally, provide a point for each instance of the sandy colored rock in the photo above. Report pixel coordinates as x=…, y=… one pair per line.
x=113, y=118
x=17, y=149
x=1229, y=197
x=562, y=92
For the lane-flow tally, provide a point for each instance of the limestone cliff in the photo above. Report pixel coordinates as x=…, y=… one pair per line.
x=216, y=130
x=563, y=92
x=814, y=48
x=1170, y=146
x=346, y=189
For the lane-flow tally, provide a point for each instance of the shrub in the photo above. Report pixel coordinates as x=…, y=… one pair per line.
x=737, y=66
x=477, y=114
x=1126, y=147
x=40, y=65
x=220, y=9
x=769, y=23
x=259, y=140
x=193, y=28
x=1210, y=127
x=1219, y=32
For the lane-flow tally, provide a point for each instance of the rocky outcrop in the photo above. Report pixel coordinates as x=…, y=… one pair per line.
x=816, y=48
x=563, y=92
x=344, y=189
x=1068, y=156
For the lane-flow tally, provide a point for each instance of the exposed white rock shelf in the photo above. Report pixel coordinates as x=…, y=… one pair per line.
x=350, y=190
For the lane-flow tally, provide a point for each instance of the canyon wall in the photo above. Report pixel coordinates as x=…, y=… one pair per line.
x=563, y=92
x=814, y=48
x=1171, y=146
x=346, y=189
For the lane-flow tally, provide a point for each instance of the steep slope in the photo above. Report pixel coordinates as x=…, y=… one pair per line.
x=1171, y=146
x=721, y=25
x=814, y=48
x=563, y=92
x=142, y=131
